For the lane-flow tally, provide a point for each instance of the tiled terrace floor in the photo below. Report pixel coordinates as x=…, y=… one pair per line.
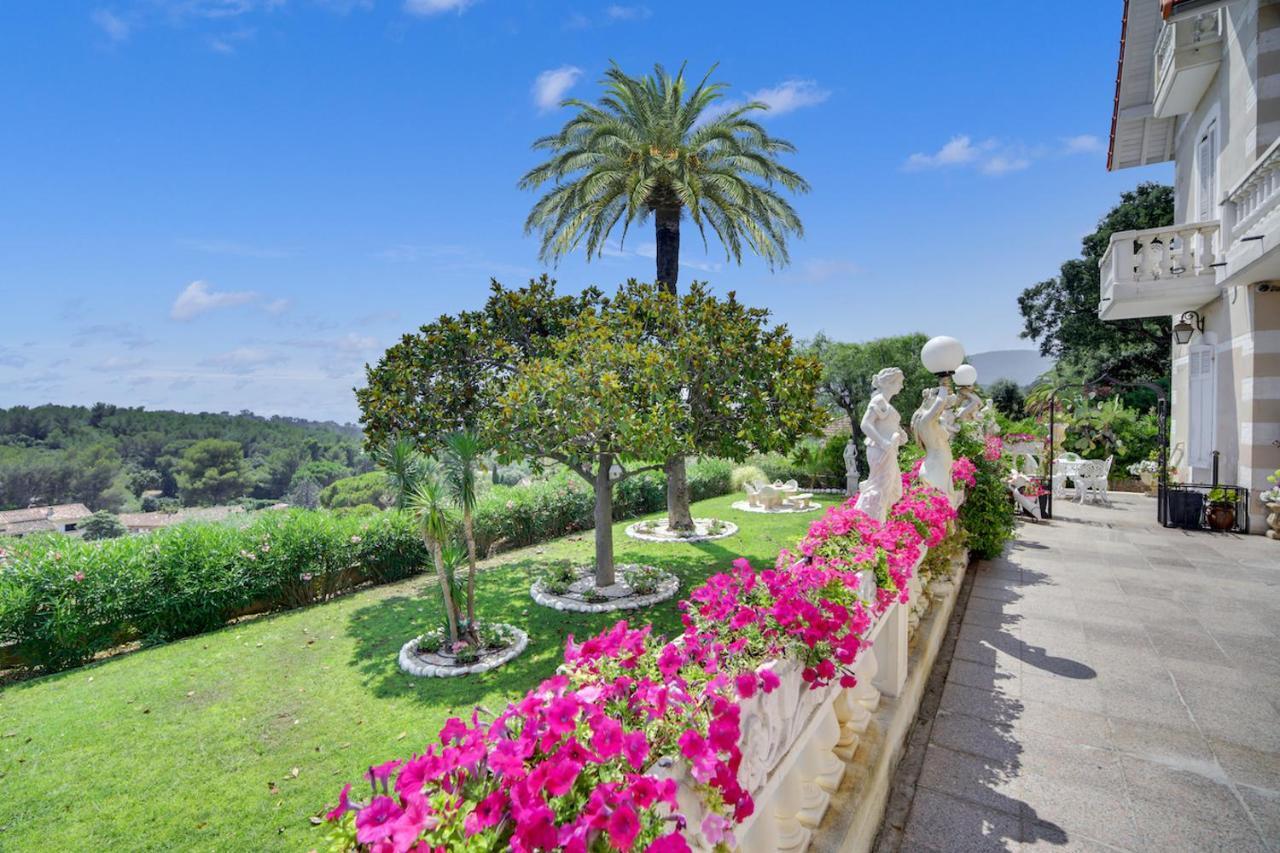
x=1115, y=686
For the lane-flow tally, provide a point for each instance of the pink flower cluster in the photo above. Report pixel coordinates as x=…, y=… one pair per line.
x=584, y=761
x=992, y=448
x=964, y=471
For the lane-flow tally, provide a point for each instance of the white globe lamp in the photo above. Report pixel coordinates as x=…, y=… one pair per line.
x=942, y=356
x=966, y=376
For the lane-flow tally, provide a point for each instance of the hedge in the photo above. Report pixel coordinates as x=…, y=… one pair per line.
x=64, y=600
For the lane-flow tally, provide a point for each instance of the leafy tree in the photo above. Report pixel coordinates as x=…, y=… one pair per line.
x=1061, y=313
x=1008, y=398
x=321, y=471
x=462, y=454
x=102, y=525
x=212, y=471
x=600, y=397
x=740, y=384
x=369, y=488
x=305, y=494
x=847, y=370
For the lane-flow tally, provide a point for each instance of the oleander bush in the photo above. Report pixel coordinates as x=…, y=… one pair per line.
x=987, y=514
x=63, y=600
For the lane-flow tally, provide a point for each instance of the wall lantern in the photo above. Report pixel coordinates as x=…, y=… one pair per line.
x=942, y=356
x=1183, y=329
x=966, y=376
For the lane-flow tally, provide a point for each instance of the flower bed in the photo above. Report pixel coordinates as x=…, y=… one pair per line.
x=428, y=655
x=704, y=530
x=608, y=752
x=573, y=588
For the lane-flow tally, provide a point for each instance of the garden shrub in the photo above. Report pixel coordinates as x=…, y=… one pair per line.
x=63, y=600
x=987, y=514
x=709, y=478
x=744, y=474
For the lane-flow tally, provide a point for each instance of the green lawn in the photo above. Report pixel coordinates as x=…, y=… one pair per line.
x=233, y=740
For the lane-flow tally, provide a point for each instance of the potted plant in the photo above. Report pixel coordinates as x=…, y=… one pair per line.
x=1271, y=499
x=1221, y=513
x=1146, y=472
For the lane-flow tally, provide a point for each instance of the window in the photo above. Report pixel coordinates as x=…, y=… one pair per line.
x=1201, y=422
x=1207, y=172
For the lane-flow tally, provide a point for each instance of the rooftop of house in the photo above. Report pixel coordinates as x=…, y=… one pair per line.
x=156, y=520
x=59, y=513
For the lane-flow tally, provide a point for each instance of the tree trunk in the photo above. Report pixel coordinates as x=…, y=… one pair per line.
x=679, y=516
x=468, y=530
x=667, y=232
x=451, y=613
x=604, y=521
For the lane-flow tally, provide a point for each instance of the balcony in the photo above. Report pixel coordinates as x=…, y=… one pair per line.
x=1188, y=53
x=1159, y=271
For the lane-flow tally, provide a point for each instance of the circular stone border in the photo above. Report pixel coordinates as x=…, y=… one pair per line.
x=667, y=588
x=744, y=506
x=410, y=662
x=633, y=530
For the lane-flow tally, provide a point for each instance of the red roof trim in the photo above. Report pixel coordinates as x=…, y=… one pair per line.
x=1115, y=104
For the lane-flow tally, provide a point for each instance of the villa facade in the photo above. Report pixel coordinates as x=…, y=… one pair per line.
x=1199, y=84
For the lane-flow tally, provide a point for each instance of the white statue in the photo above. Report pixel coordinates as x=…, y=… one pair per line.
x=990, y=426
x=969, y=405
x=930, y=427
x=851, y=466
x=882, y=425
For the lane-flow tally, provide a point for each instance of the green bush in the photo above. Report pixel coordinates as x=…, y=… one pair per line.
x=64, y=600
x=709, y=478
x=987, y=514
x=744, y=474
x=370, y=488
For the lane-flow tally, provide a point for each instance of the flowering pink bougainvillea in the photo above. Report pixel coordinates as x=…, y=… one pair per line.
x=586, y=759
x=993, y=446
x=963, y=471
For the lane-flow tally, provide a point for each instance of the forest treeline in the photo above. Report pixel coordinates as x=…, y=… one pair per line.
x=119, y=458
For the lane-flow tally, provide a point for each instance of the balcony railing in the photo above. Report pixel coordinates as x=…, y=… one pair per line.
x=1257, y=194
x=1159, y=270
x=1187, y=53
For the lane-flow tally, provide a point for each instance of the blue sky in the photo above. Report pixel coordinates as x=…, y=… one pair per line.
x=225, y=204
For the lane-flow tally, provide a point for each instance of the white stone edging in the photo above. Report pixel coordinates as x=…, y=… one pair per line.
x=410, y=663
x=744, y=506
x=635, y=533
x=667, y=588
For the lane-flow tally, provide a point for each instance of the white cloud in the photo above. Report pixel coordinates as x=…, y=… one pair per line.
x=552, y=85
x=1000, y=164
x=957, y=151
x=198, y=297
x=619, y=12
x=1085, y=143
x=426, y=8
x=277, y=306
x=790, y=95
x=117, y=364
x=823, y=270
x=116, y=28
x=242, y=359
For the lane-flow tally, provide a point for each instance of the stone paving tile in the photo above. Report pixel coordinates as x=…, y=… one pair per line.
x=940, y=822
x=1118, y=693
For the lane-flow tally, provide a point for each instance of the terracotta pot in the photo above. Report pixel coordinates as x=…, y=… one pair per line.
x=1221, y=516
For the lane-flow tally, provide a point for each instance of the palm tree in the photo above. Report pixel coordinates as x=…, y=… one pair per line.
x=651, y=147
x=463, y=451
x=429, y=502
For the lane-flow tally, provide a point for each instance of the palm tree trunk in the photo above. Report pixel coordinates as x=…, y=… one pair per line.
x=451, y=613
x=604, y=522
x=468, y=530
x=667, y=227
x=667, y=232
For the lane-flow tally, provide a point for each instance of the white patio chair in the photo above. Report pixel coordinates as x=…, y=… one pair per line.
x=1065, y=468
x=771, y=497
x=753, y=493
x=1091, y=480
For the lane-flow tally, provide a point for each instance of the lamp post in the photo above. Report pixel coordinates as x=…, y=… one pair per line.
x=1188, y=324
x=942, y=356
x=966, y=376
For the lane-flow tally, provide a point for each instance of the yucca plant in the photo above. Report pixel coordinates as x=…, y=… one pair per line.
x=463, y=452
x=430, y=503
x=404, y=465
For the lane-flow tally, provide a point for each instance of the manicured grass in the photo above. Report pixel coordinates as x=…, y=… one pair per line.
x=233, y=740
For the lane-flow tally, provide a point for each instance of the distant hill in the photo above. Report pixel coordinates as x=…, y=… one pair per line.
x=1023, y=366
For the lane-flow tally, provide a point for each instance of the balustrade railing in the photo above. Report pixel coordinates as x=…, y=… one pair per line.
x=1257, y=194
x=1173, y=252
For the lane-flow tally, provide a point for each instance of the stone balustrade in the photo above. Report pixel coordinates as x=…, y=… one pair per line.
x=798, y=744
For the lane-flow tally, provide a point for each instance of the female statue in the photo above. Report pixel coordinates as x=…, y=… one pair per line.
x=850, y=467
x=930, y=427
x=882, y=425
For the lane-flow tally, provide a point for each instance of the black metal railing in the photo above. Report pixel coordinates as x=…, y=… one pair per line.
x=1186, y=505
